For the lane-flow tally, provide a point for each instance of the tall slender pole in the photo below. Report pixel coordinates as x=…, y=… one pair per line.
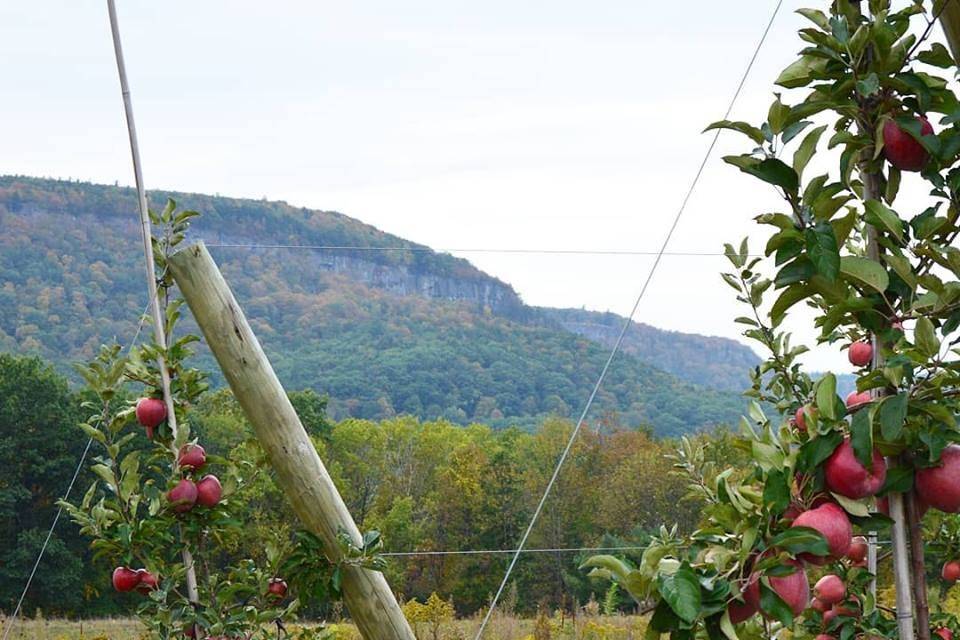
x=901, y=555
x=159, y=332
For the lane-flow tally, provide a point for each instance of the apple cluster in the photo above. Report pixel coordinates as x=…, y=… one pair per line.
x=844, y=477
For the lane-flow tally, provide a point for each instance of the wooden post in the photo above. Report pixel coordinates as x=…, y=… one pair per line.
x=300, y=472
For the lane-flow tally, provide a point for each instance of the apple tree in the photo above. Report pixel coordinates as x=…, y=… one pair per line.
x=865, y=108
x=158, y=493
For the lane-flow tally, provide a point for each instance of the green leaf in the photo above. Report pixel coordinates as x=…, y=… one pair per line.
x=899, y=480
x=816, y=17
x=93, y=432
x=937, y=56
x=865, y=272
x=893, y=184
x=774, y=605
x=893, y=414
x=799, y=270
x=726, y=626
x=682, y=592
x=882, y=217
x=901, y=266
x=815, y=452
x=743, y=127
x=801, y=540
x=851, y=506
x=776, y=491
x=861, y=437
x=826, y=396
x=793, y=130
x=925, y=337
x=790, y=296
x=869, y=85
x=777, y=116
x=106, y=474
x=823, y=251
x=611, y=564
x=838, y=26
x=801, y=157
x=770, y=170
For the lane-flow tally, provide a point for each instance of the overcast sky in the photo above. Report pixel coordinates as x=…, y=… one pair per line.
x=545, y=125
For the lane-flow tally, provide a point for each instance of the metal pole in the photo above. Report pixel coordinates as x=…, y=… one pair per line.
x=898, y=530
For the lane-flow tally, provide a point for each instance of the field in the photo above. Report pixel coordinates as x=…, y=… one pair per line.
x=585, y=627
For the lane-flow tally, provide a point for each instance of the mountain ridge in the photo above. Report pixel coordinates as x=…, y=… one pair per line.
x=383, y=332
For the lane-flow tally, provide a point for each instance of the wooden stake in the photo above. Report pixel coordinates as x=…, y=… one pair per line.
x=300, y=472
x=159, y=332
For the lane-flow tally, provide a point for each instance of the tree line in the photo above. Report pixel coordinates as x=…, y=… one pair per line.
x=425, y=485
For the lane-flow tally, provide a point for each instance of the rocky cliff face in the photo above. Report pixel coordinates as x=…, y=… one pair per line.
x=479, y=291
x=406, y=269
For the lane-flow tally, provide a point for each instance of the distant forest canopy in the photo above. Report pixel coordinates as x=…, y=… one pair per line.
x=426, y=485
x=382, y=333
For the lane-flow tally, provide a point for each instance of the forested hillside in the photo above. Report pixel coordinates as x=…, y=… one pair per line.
x=712, y=362
x=383, y=333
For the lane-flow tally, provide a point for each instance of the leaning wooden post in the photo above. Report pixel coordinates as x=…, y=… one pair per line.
x=300, y=472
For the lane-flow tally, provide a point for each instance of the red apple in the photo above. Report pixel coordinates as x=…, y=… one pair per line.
x=951, y=571
x=793, y=589
x=833, y=524
x=858, y=549
x=125, y=579
x=819, y=605
x=824, y=636
x=277, y=587
x=740, y=611
x=828, y=616
x=830, y=589
x=190, y=631
x=845, y=475
x=855, y=399
x=860, y=353
x=944, y=633
x=148, y=581
x=939, y=486
x=183, y=496
x=800, y=418
x=150, y=413
x=209, y=491
x=902, y=149
x=192, y=456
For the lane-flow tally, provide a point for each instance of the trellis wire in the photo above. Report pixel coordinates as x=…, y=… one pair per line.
x=626, y=325
x=504, y=250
